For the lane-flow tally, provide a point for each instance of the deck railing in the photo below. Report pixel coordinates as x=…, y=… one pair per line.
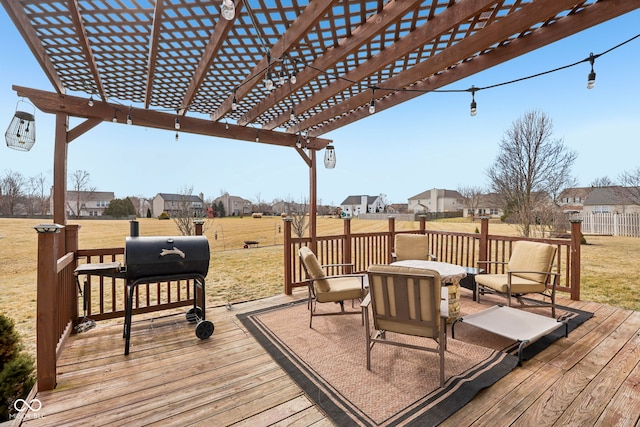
x=62, y=296
x=61, y=300
x=465, y=249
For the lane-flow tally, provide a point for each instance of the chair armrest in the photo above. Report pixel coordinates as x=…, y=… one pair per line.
x=337, y=265
x=366, y=301
x=531, y=271
x=492, y=262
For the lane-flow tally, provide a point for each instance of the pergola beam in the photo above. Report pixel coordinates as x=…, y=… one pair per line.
x=432, y=29
x=564, y=27
x=513, y=23
x=391, y=13
x=309, y=17
x=75, y=106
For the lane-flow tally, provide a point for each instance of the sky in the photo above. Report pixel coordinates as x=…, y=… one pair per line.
x=428, y=142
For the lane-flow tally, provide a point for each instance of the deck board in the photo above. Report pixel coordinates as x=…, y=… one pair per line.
x=172, y=378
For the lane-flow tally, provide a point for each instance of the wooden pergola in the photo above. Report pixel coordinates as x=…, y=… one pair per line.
x=159, y=62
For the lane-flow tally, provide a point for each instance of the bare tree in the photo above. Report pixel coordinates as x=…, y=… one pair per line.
x=38, y=194
x=471, y=196
x=12, y=186
x=298, y=214
x=631, y=181
x=530, y=168
x=187, y=211
x=603, y=181
x=80, y=184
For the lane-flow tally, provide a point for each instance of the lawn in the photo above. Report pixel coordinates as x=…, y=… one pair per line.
x=237, y=274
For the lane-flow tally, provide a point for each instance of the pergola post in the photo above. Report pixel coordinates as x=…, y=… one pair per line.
x=313, y=204
x=47, y=305
x=576, y=242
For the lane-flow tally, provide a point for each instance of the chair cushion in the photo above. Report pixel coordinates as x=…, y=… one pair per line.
x=314, y=269
x=531, y=256
x=519, y=285
x=411, y=246
x=342, y=289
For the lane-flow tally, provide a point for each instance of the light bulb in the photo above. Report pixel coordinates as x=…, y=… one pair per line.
x=177, y=125
x=129, y=120
x=292, y=115
x=90, y=101
x=591, y=80
x=228, y=9
x=177, y=136
x=234, y=104
x=115, y=118
x=372, y=107
x=281, y=78
x=298, y=143
x=293, y=78
x=474, y=109
x=268, y=83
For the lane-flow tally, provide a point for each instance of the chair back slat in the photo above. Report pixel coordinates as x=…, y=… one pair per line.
x=405, y=300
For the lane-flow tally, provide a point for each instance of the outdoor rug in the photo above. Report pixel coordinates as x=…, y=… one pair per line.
x=329, y=363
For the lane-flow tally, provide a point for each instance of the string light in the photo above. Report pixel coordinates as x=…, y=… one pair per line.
x=129, y=120
x=292, y=115
x=298, y=143
x=177, y=136
x=115, y=116
x=234, y=103
x=90, y=101
x=293, y=79
x=474, y=106
x=177, y=123
x=372, y=104
x=591, y=79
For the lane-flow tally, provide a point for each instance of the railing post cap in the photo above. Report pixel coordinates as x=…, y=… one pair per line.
x=575, y=220
x=287, y=219
x=48, y=228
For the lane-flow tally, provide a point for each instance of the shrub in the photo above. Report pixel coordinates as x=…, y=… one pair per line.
x=164, y=215
x=16, y=369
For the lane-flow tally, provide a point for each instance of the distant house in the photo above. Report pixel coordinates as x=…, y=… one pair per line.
x=175, y=204
x=488, y=206
x=437, y=200
x=613, y=199
x=398, y=208
x=86, y=203
x=571, y=200
x=234, y=205
x=355, y=205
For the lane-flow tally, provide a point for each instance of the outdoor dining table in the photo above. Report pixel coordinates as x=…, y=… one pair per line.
x=450, y=276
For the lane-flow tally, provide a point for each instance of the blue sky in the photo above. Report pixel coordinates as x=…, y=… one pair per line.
x=429, y=142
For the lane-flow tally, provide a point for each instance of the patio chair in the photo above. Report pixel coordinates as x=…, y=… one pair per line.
x=333, y=288
x=528, y=271
x=412, y=246
x=407, y=301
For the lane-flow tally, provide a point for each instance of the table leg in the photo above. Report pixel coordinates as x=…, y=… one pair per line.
x=454, y=301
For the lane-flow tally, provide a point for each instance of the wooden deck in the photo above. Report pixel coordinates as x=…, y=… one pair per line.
x=171, y=378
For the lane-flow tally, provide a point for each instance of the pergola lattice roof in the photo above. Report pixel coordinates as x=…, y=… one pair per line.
x=181, y=57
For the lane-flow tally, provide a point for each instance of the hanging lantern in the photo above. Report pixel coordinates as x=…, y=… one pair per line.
x=21, y=134
x=329, y=157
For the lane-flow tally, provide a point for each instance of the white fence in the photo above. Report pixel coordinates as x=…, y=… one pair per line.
x=610, y=224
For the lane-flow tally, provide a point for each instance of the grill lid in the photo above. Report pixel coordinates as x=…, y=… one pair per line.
x=166, y=255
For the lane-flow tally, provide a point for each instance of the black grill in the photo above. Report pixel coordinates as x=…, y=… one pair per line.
x=161, y=256
x=160, y=259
